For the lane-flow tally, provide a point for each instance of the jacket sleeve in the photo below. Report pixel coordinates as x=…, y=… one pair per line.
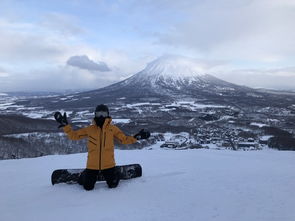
x=122, y=138
x=75, y=134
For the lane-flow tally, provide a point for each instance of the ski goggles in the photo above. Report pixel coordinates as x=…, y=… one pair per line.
x=101, y=114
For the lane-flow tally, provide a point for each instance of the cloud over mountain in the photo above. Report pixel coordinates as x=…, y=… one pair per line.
x=83, y=62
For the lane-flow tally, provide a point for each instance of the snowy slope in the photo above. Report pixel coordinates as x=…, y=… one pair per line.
x=174, y=66
x=191, y=185
x=176, y=73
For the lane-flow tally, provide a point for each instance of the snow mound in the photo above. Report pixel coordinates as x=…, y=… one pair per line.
x=176, y=185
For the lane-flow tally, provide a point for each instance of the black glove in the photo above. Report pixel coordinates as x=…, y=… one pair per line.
x=62, y=119
x=142, y=134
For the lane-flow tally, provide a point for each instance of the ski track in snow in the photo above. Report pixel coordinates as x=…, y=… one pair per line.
x=191, y=185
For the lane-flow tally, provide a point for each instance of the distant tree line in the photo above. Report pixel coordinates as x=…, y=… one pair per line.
x=281, y=140
x=41, y=144
x=38, y=144
x=13, y=124
x=23, y=137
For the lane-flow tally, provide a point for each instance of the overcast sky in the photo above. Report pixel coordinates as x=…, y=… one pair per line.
x=73, y=44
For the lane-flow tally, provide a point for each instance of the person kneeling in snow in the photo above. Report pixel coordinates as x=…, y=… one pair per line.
x=100, y=146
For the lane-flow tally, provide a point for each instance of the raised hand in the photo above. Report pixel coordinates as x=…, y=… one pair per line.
x=142, y=134
x=61, y=119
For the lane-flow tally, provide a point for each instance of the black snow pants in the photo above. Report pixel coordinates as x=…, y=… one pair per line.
x=88, y=178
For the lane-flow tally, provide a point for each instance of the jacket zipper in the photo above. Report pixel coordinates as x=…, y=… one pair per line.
x=100, y=149
x=104, y=140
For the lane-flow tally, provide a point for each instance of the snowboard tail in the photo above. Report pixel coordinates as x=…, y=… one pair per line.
x=71, y=176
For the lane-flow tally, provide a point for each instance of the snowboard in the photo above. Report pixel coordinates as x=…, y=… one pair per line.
x=71, y=176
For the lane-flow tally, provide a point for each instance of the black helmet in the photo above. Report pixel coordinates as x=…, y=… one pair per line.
x=101, y=110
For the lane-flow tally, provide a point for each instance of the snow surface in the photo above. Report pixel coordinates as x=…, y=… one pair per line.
x=181, y=185
x=258, y=124
x=194, y=106
x=121, y=121
x=4, y=106
x=174, y=66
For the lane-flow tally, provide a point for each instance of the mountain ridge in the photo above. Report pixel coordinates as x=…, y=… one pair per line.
x=167, y=79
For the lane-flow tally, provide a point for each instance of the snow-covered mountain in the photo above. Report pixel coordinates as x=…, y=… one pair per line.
x=171, y=70
x=175, y=75
x=176, y=185
x=168, y=78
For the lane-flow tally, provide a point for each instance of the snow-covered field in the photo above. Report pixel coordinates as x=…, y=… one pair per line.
x=176, y=185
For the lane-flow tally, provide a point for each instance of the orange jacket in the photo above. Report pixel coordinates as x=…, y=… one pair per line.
x=100, y=143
